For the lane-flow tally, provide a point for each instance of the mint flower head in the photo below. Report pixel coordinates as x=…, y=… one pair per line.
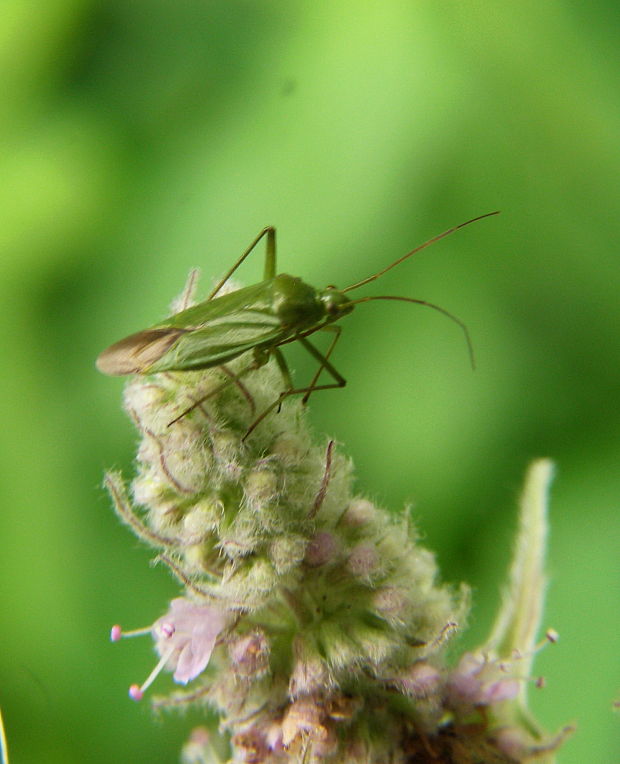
x=310, y=619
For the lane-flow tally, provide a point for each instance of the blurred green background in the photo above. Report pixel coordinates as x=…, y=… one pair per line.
x=141, y=138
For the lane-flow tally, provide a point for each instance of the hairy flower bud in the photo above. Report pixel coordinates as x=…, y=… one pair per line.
x=420, y=681
x=249, y=654
x=261, y=487
x=359, y=513
x=286, y=552
x=303, y=717
x=322, y=549
x=310, y=673
x=364, y=561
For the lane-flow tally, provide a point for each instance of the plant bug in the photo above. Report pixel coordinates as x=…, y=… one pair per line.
x=256, y=319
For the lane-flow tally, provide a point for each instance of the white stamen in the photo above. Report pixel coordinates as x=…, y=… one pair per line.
x=116, y=632
x=137, y=693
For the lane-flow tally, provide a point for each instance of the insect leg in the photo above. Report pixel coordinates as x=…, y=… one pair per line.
x=320, y=497
x=283, y=366
x=337, y=331
x=270, y=254
x=270, y=258
x=232, y=377
x=340, y=381
x=236, y=379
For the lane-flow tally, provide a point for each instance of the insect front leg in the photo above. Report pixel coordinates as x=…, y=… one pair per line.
x=337, y=330
x=270, y=258
x=339, y=380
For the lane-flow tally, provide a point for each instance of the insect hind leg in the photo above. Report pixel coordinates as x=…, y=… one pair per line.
x=233, y=378
x=270, y=258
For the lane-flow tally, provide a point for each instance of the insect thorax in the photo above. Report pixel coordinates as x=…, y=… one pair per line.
x=296, y=303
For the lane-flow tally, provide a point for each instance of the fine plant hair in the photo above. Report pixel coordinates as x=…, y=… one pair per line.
x=311, y=620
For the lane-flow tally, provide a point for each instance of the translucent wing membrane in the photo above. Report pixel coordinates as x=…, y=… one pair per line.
x=136, y=353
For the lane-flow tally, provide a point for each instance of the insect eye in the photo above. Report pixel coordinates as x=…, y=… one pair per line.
x=335, y=302
x=333, y=307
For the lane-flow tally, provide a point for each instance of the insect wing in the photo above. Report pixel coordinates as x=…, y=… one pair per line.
x=216, y=331
x=255, y=297
x=220, y=341
x=205, y=335
x=136, y=353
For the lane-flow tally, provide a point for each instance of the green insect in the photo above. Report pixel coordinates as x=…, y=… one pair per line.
x=256, y=319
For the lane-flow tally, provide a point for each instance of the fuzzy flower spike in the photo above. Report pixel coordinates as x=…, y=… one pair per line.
x=311, y=620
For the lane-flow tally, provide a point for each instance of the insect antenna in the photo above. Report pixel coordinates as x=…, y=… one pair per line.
x=418, y=249
x=427, y=304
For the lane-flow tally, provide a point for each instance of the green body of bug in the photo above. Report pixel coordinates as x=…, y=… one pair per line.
x=257, y=319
